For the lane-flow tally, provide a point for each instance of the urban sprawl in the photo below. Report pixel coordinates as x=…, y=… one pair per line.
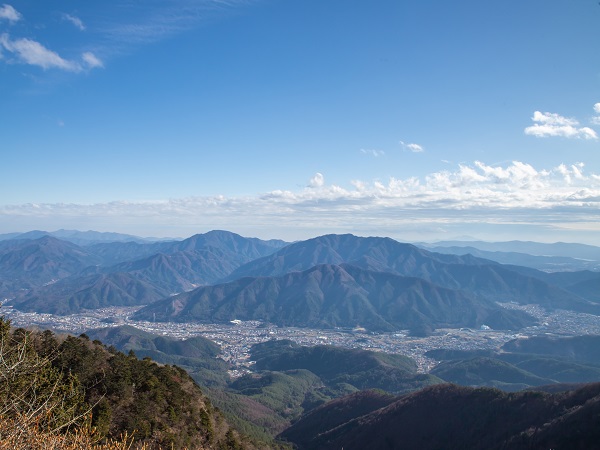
x=237, y=337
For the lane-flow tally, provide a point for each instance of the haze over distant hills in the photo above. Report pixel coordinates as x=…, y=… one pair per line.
x=26, y=264
x=80, y=237
x=570, y=250
x=548, y=257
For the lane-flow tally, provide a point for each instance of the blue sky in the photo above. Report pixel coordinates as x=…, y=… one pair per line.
x=418, y=120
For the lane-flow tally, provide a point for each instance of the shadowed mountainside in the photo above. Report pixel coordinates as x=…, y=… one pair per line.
x=523, y=363
x=74, y=294
x=582, y=349
x=329, y=296
x=448, y=416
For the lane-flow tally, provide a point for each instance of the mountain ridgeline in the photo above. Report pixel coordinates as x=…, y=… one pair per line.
x=53, y=276
x=376, y=283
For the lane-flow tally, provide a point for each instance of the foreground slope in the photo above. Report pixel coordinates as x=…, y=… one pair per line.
x=108, y=391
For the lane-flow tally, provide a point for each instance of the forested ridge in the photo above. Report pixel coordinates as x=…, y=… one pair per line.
x=78, y=391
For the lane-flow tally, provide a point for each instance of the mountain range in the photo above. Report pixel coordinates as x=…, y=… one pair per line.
x=54, y=276
x=329, y=281
x=485, y=278
x=376, y=283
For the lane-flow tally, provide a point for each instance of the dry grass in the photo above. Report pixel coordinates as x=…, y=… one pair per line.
x=16, y=434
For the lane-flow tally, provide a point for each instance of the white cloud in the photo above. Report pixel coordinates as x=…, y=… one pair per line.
x=551, y=125
x=552, y=119
x=597, y=108
x=75, y=21
x=9, y=13
x=34, y=53
x=373, y=152
x=318, y=180
x=91, y=60
x=415, y=148
x=575, y=171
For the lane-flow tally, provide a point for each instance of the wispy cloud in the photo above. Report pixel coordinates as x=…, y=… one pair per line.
x=162, y=20
x=9, y=13
x=76, y=21
x=551, y=125
x=372, y=152
x=562, y=197
x=411, y=147
x=91, y=60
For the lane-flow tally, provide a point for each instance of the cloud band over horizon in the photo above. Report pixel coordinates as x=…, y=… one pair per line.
x=562, y=199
